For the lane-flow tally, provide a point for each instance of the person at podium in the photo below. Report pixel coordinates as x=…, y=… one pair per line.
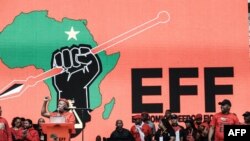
x=61, y=118
x=62, y=111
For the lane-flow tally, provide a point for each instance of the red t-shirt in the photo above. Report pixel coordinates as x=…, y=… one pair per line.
x=5, y=134
x=203, y=123
x=16, y=133
x=145, y=129
x=219, y=120
x=69, y=117
x=32, y=135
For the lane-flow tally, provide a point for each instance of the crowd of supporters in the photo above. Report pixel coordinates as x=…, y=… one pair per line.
x=195, y=129
x=168, y=129
x=21, y=129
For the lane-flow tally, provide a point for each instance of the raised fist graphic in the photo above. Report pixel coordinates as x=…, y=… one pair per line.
x=81, y=67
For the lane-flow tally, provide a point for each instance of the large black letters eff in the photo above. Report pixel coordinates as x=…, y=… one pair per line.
x=138, y=90
x=211, y=90
x=81, y=68
x=176, y=90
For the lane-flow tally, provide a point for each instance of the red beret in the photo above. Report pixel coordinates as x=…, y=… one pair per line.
x=198, y=116
x=137, y=116
x=64, y=100
x=144, y=113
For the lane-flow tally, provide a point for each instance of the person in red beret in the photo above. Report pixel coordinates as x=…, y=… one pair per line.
x=202, y=127
x=197, y=120
x=141, y=131
x=62, y=110
x=5, y=133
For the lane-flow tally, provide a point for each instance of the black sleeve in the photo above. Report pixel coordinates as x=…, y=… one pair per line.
x=148, y=138
x=157, y=135
x=131, y=136
x=112, y=135
x=182, y=133
x=172, y=133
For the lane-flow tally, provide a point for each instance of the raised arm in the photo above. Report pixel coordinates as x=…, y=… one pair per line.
x=44, y=111
x=211, y=133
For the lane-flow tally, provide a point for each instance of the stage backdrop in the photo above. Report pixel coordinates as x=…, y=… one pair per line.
x=116, y=59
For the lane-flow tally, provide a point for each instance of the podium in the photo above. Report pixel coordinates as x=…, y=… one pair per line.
x=58, y=131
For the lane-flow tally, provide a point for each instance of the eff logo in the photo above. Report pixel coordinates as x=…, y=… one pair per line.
x=237, y=132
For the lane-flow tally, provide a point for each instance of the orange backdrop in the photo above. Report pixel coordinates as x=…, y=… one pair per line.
x=200, y=34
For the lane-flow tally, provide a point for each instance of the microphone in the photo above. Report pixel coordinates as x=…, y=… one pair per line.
x=87, y=109
x=66, y=108
x=58, y=114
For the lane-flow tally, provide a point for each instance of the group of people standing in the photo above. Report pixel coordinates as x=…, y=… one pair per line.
x=196, y=129
x=143, y=129
x=24, y=130
x=21, y=129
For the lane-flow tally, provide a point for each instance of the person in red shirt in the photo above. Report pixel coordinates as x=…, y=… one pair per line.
x=220, y=119
x=16, y=129
x=146, y=119
x=202, y=127
x=5, y=133
x=62, y=110
x=29, y=133
x=141, y=131
x=246, y=116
